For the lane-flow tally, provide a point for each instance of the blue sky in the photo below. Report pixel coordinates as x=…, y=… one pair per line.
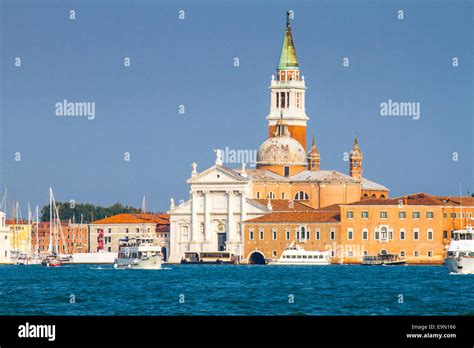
x=190, y=62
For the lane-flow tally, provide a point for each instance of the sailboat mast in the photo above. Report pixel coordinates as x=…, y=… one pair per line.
x=460, y=202
x=29, y=228
x=37, y=224
x=50, y=246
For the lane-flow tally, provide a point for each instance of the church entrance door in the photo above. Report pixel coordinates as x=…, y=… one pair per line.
x=221, y=239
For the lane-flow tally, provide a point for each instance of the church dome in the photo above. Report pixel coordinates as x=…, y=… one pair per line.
x=281, y=150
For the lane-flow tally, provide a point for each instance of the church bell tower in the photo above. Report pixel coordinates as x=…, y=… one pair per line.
x=355, y=160
x=288, y=92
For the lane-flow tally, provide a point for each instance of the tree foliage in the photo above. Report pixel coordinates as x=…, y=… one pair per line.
x=90, y=212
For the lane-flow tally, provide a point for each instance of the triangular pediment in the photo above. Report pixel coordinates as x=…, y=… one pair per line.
x=217, y=174
x=181, y=208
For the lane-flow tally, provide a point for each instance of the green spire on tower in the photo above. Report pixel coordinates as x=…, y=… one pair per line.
x=288, y=58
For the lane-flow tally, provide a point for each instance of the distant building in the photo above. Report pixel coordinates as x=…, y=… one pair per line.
x=105, y=233
x=5, y=240
x=72, y=238
x=267, y=236
x=20, y=232
x=417, y=227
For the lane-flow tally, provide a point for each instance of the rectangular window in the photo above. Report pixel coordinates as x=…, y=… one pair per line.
x=445, y=215
x=402, y=235
x=430, y=235
x=383, y=214
x=376, y=235
x=415, y=234
x=416, y=214
x=350, y=234
x=415, y=253
x=251, y=234
x=402, y=253
x=332, y=235
x=365, y=235
x=261, y=235
x=350, y=214
x=402, y=215
x=365, y=215
x=283, y=95
x=287, y=235
x=277, y=99
x=429, y=215
x=318, y=234
x=430, y=253
x=445, y=234
x=274, y=234
x=453, y=215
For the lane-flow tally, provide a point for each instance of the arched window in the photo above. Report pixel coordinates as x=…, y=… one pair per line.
x=271, y=195
x=373, y=196
x=382, y=196
x=301, y=196
x=383, y=233
x=366, y=195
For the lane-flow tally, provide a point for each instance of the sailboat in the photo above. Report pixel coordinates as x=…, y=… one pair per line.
x=54, y=258
x=35, y=257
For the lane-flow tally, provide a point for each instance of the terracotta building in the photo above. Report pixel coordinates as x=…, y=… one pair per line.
x=72, y=238
x=266, y=237
x=417, y=227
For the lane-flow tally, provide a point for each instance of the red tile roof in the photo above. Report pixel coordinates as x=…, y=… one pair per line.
x=284, y=205
x=417, y=199
x=298, y=216
x=161, y=219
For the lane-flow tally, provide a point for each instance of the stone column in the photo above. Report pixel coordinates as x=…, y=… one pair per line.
x=230, y=217
x=243, y=217
x=207, y=216
x=194, y=230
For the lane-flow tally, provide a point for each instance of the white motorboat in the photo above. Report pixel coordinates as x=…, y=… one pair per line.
x=460, y=258
x=295, y=254
x=138, y=253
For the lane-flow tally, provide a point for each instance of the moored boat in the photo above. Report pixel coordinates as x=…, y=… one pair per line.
x=295, y=254
x=208, y=258
x=383, y=259
x=460, y=257
x=51, y=261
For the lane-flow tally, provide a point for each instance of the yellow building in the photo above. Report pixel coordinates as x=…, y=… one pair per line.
x=20, y=234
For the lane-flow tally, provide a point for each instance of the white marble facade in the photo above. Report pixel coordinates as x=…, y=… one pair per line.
x=211, y=219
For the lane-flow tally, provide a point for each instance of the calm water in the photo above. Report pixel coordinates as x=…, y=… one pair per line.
x=235, y=290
